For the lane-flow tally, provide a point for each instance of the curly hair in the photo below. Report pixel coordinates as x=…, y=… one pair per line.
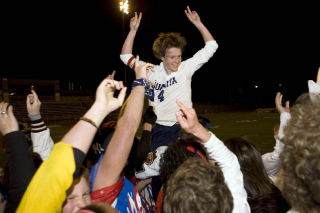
x=301, y=154
x=167, y=40
x=174, y=156
x=197, y=186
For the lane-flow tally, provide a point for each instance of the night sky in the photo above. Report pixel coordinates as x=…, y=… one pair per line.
x=266, y=43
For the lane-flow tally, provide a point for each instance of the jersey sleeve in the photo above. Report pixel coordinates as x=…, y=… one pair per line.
x=201, y=57
x=47, y=189
x=129, y=60
x=230, y=167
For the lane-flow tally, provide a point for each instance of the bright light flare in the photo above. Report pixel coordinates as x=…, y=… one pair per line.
x=124, y=6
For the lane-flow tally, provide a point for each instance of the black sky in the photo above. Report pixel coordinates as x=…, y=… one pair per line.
x=259, y=41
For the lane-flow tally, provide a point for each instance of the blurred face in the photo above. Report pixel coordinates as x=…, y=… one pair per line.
x=79, y=197
x=172, y=59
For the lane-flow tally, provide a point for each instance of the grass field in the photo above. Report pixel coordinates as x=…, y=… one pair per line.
x=256, y=126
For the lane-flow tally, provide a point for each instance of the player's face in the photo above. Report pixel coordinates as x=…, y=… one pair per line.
x=79, y=197
x=172, y=59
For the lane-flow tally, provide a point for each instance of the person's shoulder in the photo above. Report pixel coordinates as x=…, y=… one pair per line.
x=157, y=69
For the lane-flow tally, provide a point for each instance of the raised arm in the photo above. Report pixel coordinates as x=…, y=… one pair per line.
x=271, y=160
x=194, y=18
x=56, y=173
x=82, y=134
x=134, y=25
x=121, y=142
x=21, y=167
x=40, y=134
x=216, y=150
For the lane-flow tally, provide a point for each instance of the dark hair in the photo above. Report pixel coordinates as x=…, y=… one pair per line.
x=100, y=143
x=262, y=193
x=167, y=40
x=174, y=156
x=256, y=180
x=37, y=160
x=301, y=154
x=269, y=203
x=197, y=186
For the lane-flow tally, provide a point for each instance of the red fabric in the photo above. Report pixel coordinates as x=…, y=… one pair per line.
x=133, y=180
x=159, y=201
x=129, y=62
x=107, y=194
x=193, y=150
x=109, y=124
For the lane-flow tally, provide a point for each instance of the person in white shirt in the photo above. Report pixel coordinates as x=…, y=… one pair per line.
x=271, y=160
x=171, y=79
x=224, y=158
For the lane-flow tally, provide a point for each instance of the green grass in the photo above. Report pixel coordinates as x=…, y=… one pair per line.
x=257, y=127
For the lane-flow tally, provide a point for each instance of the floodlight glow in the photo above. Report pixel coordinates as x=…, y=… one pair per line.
x=124, y=6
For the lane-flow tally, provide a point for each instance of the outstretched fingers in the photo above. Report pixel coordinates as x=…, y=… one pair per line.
x=188, y=11
x=140, y=16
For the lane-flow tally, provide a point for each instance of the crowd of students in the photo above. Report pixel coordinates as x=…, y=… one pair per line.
x=178, y=164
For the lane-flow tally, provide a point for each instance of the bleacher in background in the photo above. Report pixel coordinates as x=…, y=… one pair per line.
x=63, y=112
x=59, y=105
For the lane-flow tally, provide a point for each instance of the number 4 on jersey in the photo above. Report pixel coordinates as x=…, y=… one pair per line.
x=160, y=96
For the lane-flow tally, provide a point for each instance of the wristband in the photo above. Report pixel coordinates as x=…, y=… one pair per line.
x=89, y=121
x=148, y=89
